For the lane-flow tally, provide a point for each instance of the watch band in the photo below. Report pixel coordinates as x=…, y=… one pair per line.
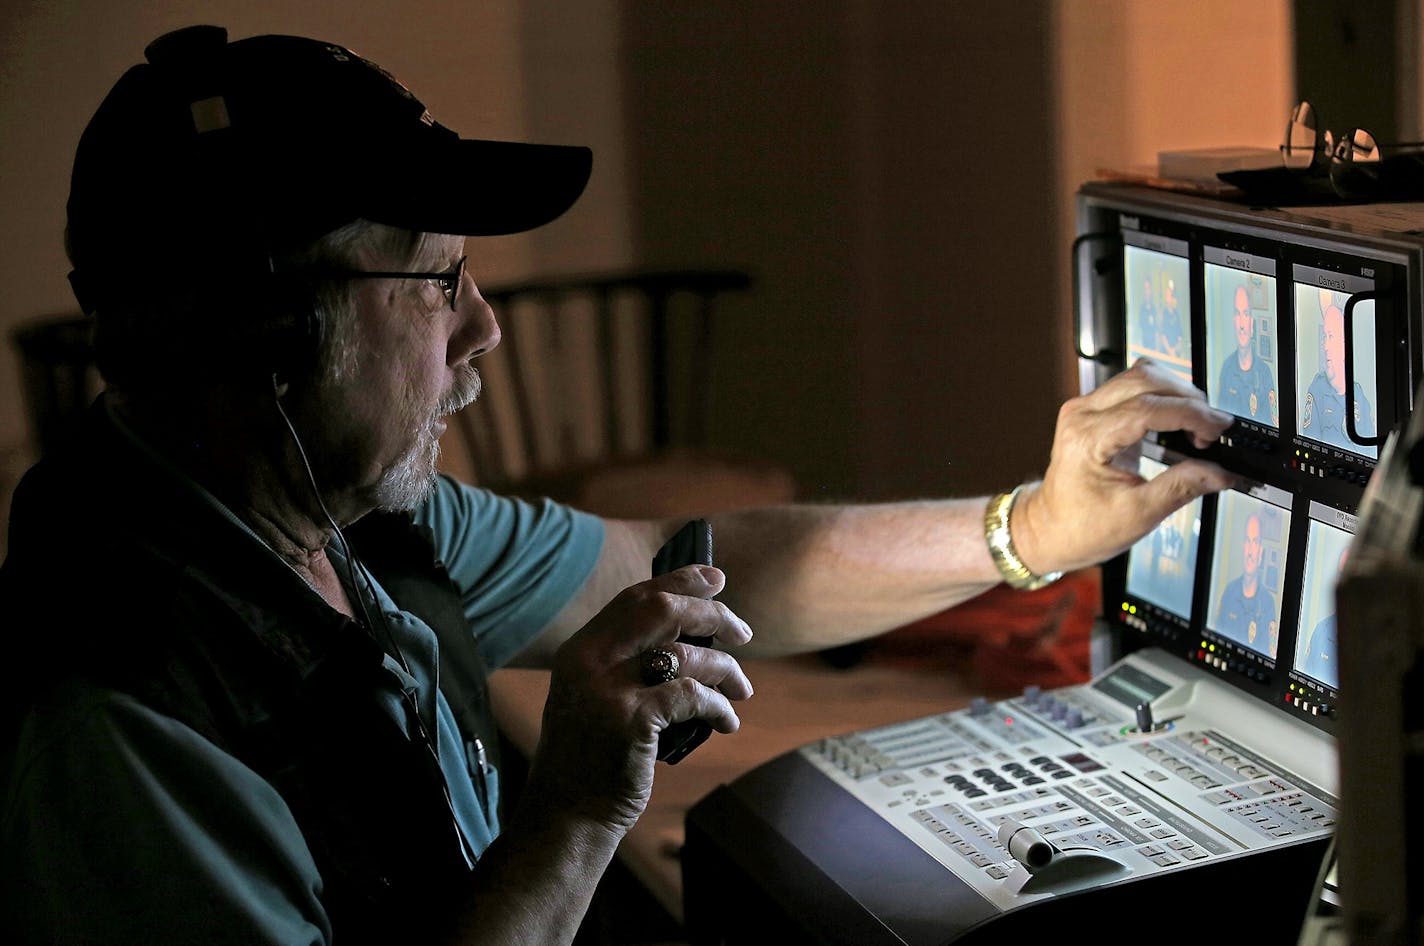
x=1001, y=545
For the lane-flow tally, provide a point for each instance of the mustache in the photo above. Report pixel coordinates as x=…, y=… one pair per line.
x=462, y=393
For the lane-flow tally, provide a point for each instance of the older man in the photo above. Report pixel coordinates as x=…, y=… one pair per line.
x=1247, y=388
x=1246, y=610
x=250, y=625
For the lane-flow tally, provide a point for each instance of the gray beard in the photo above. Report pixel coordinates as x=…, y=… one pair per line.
x=411, y=479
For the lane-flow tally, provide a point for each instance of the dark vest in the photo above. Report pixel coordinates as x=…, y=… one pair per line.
x=196, y=621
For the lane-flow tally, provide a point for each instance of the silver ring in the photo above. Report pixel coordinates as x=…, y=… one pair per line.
x=659, y=666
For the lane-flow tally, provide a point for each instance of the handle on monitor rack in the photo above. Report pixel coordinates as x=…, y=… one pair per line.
x=1349, y=327
x=1103, y=356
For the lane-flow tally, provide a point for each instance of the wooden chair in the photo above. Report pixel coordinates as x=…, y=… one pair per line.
x=599, y=396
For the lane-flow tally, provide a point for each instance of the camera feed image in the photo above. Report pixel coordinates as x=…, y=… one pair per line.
x=1315, y=644
x=1161, y=567
x=1240, y=343
x=1159, y=321
x=1320, y=368
x=1247, y=571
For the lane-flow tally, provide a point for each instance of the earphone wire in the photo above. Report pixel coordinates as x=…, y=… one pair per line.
x=346, y=552
x=351, y=562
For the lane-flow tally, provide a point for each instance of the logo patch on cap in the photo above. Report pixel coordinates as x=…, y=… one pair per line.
x=210, y=114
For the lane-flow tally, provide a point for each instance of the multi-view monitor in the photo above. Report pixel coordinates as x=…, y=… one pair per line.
x=1305, y=346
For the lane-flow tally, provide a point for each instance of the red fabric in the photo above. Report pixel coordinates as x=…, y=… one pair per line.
x=1015, y=638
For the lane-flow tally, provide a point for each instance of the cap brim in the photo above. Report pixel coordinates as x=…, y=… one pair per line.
x=473, y=187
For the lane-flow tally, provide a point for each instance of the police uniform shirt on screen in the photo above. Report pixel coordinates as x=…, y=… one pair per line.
x=1247, y=387
x=1322, y=415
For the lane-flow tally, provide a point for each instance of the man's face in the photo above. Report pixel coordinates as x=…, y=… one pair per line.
x=1243, y=320
x=410, y=367
x=1252, y=548
x=1335, y=348
x=1169, y=296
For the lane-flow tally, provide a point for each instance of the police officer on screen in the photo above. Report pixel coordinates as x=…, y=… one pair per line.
x=1322, y=648
x=1247, y=611
x=1169, y=322
x=1320, y=662
x=1323, y=413
x=1147, y=316
x=1247, y=387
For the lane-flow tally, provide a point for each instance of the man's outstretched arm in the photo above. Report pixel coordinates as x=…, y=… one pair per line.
x=809, y=577
x=806, y=577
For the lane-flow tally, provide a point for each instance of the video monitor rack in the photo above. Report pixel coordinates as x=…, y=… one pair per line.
x=1304, y=325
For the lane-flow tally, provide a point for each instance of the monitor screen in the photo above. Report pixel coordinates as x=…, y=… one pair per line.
x=1241, y=351
x=1326, y=546
x=1162, y=566
x=1320, y=360
x=1248, y=569
x=1158, y=300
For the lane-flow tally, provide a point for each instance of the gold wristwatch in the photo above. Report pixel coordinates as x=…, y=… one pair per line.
x=1001, y=545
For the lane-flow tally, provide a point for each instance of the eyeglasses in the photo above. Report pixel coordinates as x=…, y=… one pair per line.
x=1354, y=162
x=450, y=280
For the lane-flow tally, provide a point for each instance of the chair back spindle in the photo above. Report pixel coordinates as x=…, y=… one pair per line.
x=594, y=370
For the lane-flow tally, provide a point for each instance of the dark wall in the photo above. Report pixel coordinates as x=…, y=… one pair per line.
x=961, y=324
x=739, y=154
x=885, y=171
x=1347, y=64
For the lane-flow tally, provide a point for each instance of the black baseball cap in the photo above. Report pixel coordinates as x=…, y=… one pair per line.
x=213, y=155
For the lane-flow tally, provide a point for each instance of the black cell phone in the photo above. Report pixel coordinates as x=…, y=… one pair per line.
x=691, y=545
